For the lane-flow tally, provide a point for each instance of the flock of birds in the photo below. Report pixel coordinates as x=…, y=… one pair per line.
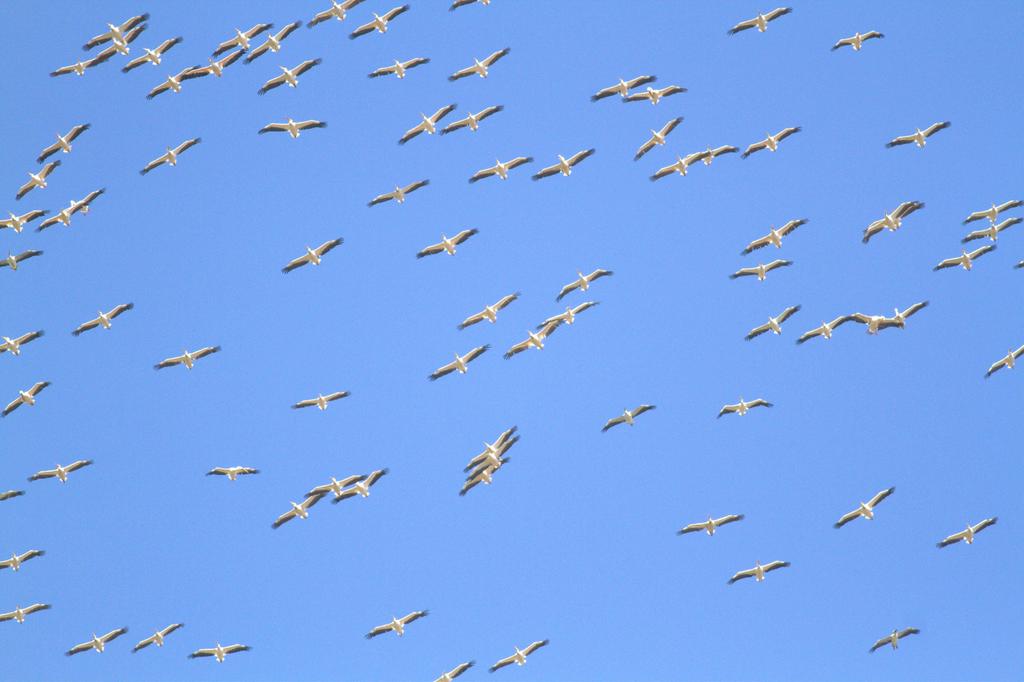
x=481, y=468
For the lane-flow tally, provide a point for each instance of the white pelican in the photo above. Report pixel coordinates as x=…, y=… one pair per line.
x=891, y=221
x=758, y=571
x=220, y=652
x=899, y=318
x=152, y=56
x=519, y=657
x=336, y=11
x=64, y=215
x=321, y=401
x=460, y=363
x=1010, y=361
x=622, y=88
x=289, y=76
x=472, y=121
x=292, y=127
x=865, y=509
x=242, y=38
x=771, y=142
x=967, y=535
x=16, y=560
x=533, y=339
x=104, y=319
x=115, y=32
x=461, y=667
x=335, y=486
x=216, y=66
x=78, y=68
x=993, y=213
x=627, y=417
x=63, y=143
x=655, y=95
x=36, y=179
x=709, y=154
x=484, y=474
x=97, y=643
x=10, y=494
x=273, y=42
x=876, y=323
x=18, y=614
x=313, y=256
x=742, y=407
x=501, y=169
x=760, y=22
x=762, y=269
x=428, y=124
x=447, y=245
x=455, y=5
x=298, y=510
x=774, y=324
x=681, y=166
x=188, y=359
x=856, y=41
x=25, y=397
x=479, y=68
x=232, y=472
x=825, y=330
x=564, y=165
x=18, y=222
x=157, y=637
x=121, y=46
x=379, y=23
x=361, y=486
x=493, y=452
x=657, y=137
x=396, y=624
x=399, y=193
x=399, y=68
x=12, y=261
x=774, y=237
x=489, y=313
x=583, y=283
x=894, y=638
x=170, y=157
x=711, y=525
x=60, y=472
x=993, y=230
x=569, y=316
x=173, y=83
x=14, y=345
x=965, y=259
x=919, y=136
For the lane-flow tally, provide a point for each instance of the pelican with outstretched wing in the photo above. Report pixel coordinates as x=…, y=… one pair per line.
x=300, y=510
x=967, y=535
x=97, y=643
x=519, y=657
x=379, y=23
x=856, y=41
x=153, y=56
x=500, y=168
x=292, y=127
x=63, y=143
x=774, y=324
x=760, y=22
x=490, y=312
x=480, y=67
x=13, y=260
x=157, y=637
x=397, y=625
x=622, y=88
x=173, y=82
x=273, y=42
x=399, y=68
x=427, y=124
x=681, y=166
x=321, y=401
x=460, y=364
x=761, y=270
x=965, y=259
x=825, y=330
x=232, y=473
x=337, y=11
x=533, y=339
x=361, y=486
x=115, y=32
x=758, y=571
x=220, y=652
x=447, y=244
x=289, y=76
x=36, y=180
x=564, y=165
x=993, y=213
x=918, y=137
x=103, y=319
x=743, y=406
x=583, y=283
x=893, y=639
x=18, y=222
x=627, y=417
x=472, y=121
x=655, y=95
x=864, y=509
x=18, y=614
x=657, y=138
x=711, y=525
x=60, y=472
x=170, y=157
x=993, y=230
x=774, y=237
x=313, y=256
x=16, y=560
x=569, y=316
x=242, y=39
x=771, y=142
x=399, y=194
x=188, y=358
x=13, y=345
x=1009, y=361
x=25, y=397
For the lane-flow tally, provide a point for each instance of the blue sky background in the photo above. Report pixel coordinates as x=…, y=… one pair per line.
x=575, y=540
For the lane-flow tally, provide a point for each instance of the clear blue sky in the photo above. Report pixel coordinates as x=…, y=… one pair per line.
x=575, y=540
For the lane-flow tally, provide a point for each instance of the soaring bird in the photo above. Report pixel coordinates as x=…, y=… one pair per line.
x=490, y=312
x=18, y=222
x=399, y=68
x=919, y=136
x=657, y=137
x=12, y=261
x=891, y=221
x=399, y=193
x=865, y=509
x=774, y=324
x=454, y=6
x=379, y=23
x=500, y=169
x=622, y=88
x=14, y=344
x=104, y=319
x=627, y=417
x=480, y=68
x=397, y=624
x=460, y=364
x=115, y=32
x=856, y=41
x=360, y=486
x=533, y=339
x=188, y=359
x=232, y=473
x=742, y=407
x=761, y=270
x=483, y=474
x=63, y=143
x=300, y=510
x=899, y=318
x=10, y=494
x=967, y=535
x=472, y=121
x=774, y=237
x=60, y=472
x=78, y=68
x=338, y=487
x=569, y=316
x=173, y=83
x=242, y=39
x=64, y=215
x=711, y=525
x=292, y=127
x=965, y=259
x=289, y=76
x=681, y=166
x=825, y=330
x=273, y=42
x=519, y=657
x=170, y=157
x=993, y=213
x=313, y=256
x=1009, y=361
x=654, y=95
x=709, y=154
x=758, y=571
x=16, y=560
x=152, y=56
x=894, y=638
x=993, y=230
x=121, y=46
x=336, y=11
x=427, y=124
x=321, y=401
x=216, y=66
x=461, y=667
x=493, y=452
x=18, y=614
x=564, y=165
x=583, y=283
x=447, y=245
x=25, y=397
x=219, y=652
x=157, y=637
x=97, y=643
x=771, y=142
x=36, y=179
x=760, y=22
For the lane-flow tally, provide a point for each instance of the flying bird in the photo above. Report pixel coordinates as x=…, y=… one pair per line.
x=771, y=142
x=891, y=221
x=774, y=324
x=501, y=169
x=899, y=318
x=36, y=179
x=622, y=88
x=711, y=525
x=397, y=625
x=63, y=143
x=533, y=339
x=13, y=345
x=152, y=56
x=493, y=452
x=428, y=124
x=289, y=76
x=170, y=157
x=399, y=68
x=313, y=256
x=18, y=222
x=758, y=571
x=480, y=68
x=173, y=83
x=336, y=11
x=60, y=472
x=232, y=473
x=489, y=313
x=967, y=535
x=583, y=283
x=709, y=154
x=655, y=95
x=115, y=32
x=216, y=66
x=321, y=401
x=742, y=407
x=455, y=5
x=965, y=259
x=993, y=230
x=219, y=652
x=993, y=213
x=121, y=46
x=157, y=637
x=460, y=364
x=760, y=22
x=242, y=38
x=1009, y=362
x=761, y=270
x=97, y=643
x=293, y=128
x=484, y=474
x=564, y=165
x=360, y=486
x=273, y=42
x=681, y=166
x=379, y=23
x=627, y=417
x=25, y=397
x=64, y=215
x=774, y=237
x=297, y=511
x=894, y=638
x=919, y=136
x=10, y=494
x=18, y=614
x=78, y=68
x=12, y=261
x=16, y=560
x=399, y=193
x=856, y=41
x=447, y=245
x=519, y=657
x=825, y=330
x=865, y=509
x=472, y=121
x=188, y=359
x=339, y=488
x=461, y=667
x=569, y=316
x=104, y=319
x=657, y=137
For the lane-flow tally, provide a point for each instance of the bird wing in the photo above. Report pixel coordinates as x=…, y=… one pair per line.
x=604, y=92
x=284, y=518
x=77, y=464
x=329, y=246
x=952, y=539
x=415, y=615
x=257, y=52
x=758, y=244
x=48, y=151
x=382, y=71
x=392, y=13
x=740, y=575
x=935, y=127
x=774, y=565
x=38, y=387
x=379, y=630
x=729, y=518
x=154, y=163
x=977, y=234
x=441, y=371
x=533, y=647
x=169, y=362
x=78, y=648
x=644, y=148
x=948, y=263
x=113, y=634
x=902, y=139
x=982, y=251
x=306, y=66
x=842, y=42
x=846, y=518
x=776, y=13
x=692, y=528
x=30, y=336
x=546, y=172
x=726, y=409
x=502, y=663
x=743, y=26
x=464, y=235
x=483, y=173
x=984, y=524
x=462, y=73
x=777, y=263
x=880, y=496
x=277, y=81
x=880, y=643
x=203, y=352
x=200, y=653
x=517, y=348
x=792, y=225
x=579, y=156
x=757, y=331
x=757, y=146
x=495, y=56
x=743, y=272
x=430, y=250
x=788, y=313
x=413, y=132
x=786, y=132
x=187, y=144
x=613, y=422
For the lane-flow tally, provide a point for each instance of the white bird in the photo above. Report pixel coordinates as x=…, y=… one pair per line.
x=14, y=344
x=865, y=509
x=455, y=5
x=894, y=638
x=993, y=230
x=461, y=667
x=78, y=68
x=242, y=38
x=103, y=319
x=774, y=237
x=742, y=407
x=761, y=270
x=36, y=179
x=289, y=76
x=219, y=652
x=681, y=166
x=993, y=213
x=399, y=68
x=480, y=68
x=825, y=330
x=484, y=474
x=622, y=88
x=533, y=339
x=711, y=525
x=427, y=124
x=188, y=359
x=1010, y=361
x=60, y=472
x=216, y=66
x=397, y=624
x=64, y=215
x=300, y=510
x=232, y=472
x=292, y=127
x=173, y=83
x=460, y=364
x=919, y=136
x=876, y=323
x=63, y=143
x=399, y=193
x=273, y=42
x=491, y=456
x=379, y=23
x=18, y=614
x=657, y=137
x=564, y=165
x=569, y=316
x=774, y=324
x=627, y=417
x=97, y=643
x=321, y=401
x=16, y=560
x=583, y=283
x=25, y=397
x=10, y=494
x=121, y=45
x=501, y=169
x=360, y=487
x=709, y=154
x=760, y=22
x=472, y=121
x=447, y=245
x=891, y=221
x=12, y=261
x=490, y=312
x=519, y=657
x=899, y=318
x=771, y=142
x=336, y=11
x=758, y=571
x=655, y=95
x=965, y=259
x=856, y=41
x=170, y=157
x=115, y=31
x=18, y=222
x=339, y=488
x=157, y=637
x=313, y=256
x=967, y=535
x=152, y=56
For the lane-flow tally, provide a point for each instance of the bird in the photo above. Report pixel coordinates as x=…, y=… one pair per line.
x=454, y=6
x=115, y=31
x=899, y=318
x=654, y=95
x=490, y=312
x=399, y=68
x=216, y=66
x=919, y=136
x=313, y=256
x=10, y=494
x=771, y=142
x=774, y=237
x=300, y=510
x=97, y=643
x=993, y=230
x=500, y=169
x=336, y=11
x=13, y=345
x=379, y=23
x=152, y=56
x=894, y=638
x=583, y=283
x=856, y=41
x=60, y=472
x=569, y=316
x=78, y=68
x=965, y=259
x=16, y=560
x=711, y=525
x=12, y=261
x=447, y=245
x=292, y=127
x=533, y=339
x=241, y=39
x=564, y=165
x=865, y=509
x=399, y=193
x=63, y=143
x=622, y=88
x=484, y=474
x=760, y=22
x=428, y=124
x=460, y=364
x=774, y=324
x=681, y=166
x=493, y=452
x=232, y=472
x=742, y=407
x=519, y=657
x=993, y=213
x=891, y=221
x=825, y=330
x=360, y=487
x=761, y=270
x=157, y=637
x=273, y=42
x=173, y=83
x=25, y=397
x=339, y=488
x=289, y=76
x=967, y=535
x=461, y=667
x=103, y=319
x=874, y=323
x=472, y=121
x=36, y=179
x=657, y=137
x=397, y=624
x=627, y=416
x=64, y=215
x=18, y=222
x=121, y=45
x=480, y=68
x=709, y=154
x=170, y=157
x=219, y=652
x=188, y=359
x=1009, y=361
x=321, y=401
x=758, y=571
x=18, y=614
